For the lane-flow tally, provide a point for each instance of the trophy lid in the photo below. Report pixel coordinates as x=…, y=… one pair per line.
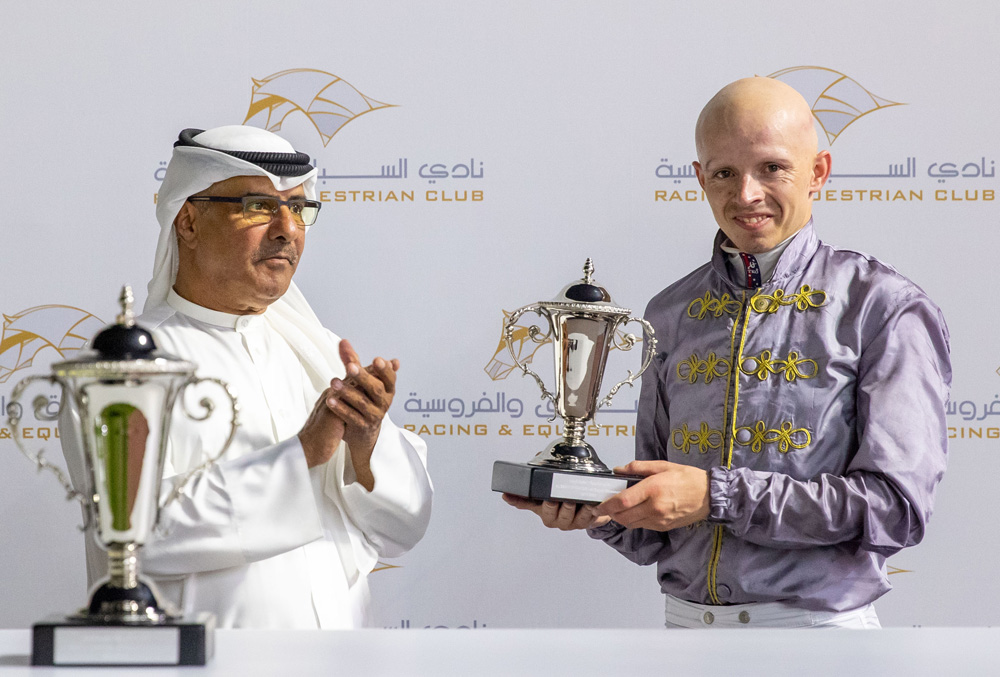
x=124, y=340
x=123, y=349
x=585, y=294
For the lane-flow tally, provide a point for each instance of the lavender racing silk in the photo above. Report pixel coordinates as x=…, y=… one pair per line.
x=816, y=402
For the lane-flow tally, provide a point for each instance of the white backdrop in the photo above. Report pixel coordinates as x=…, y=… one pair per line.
x=522, y=137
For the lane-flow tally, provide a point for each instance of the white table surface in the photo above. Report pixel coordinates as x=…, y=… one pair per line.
x=851, y=653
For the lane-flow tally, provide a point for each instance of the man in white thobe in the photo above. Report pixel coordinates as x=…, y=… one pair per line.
x=318, y=483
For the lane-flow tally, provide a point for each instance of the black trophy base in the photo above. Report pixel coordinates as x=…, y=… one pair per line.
x=543, y=483
x=81, y=642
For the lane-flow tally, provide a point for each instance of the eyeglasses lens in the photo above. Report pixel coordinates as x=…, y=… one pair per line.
x=261, y=210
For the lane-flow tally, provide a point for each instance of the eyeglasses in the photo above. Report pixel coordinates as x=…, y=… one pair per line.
x=261, y=209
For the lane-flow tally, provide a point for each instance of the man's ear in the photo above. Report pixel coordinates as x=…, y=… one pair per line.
x=822, y=165
x=700, y=173
x=185, y=225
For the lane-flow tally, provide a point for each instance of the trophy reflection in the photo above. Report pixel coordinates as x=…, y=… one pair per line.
x=124, y=391
x=582, y=323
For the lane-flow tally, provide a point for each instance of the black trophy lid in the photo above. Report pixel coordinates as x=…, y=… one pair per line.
x=584, y=290
x=585, y=296
x=124, y=340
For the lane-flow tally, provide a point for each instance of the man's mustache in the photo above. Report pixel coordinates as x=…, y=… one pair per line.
x=286, y=251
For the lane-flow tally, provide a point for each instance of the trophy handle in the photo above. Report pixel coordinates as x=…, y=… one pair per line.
x=14, y=411
x=208, y=407
x=533, y=333
x=649, y=341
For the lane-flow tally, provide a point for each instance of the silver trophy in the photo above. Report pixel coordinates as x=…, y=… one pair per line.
x=583, y=325
x=124, y=390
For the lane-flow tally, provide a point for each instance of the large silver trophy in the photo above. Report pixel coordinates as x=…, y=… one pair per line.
x=583, y=323
x=124, y=391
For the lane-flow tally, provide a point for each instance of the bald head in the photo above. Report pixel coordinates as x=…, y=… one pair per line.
x=758, y=162
x=746, y=106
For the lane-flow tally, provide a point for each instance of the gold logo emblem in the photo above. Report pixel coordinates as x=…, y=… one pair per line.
x=62, y=328
x=525, y=347
x=328, y=101
x=837, y=101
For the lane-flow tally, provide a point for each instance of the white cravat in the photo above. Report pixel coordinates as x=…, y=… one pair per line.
x=766, y=261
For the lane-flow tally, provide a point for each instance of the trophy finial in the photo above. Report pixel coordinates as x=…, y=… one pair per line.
x=126, y=317
x=588, y=271
x=125, y=340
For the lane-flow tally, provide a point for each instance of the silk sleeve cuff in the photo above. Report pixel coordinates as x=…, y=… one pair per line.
x=721, y=489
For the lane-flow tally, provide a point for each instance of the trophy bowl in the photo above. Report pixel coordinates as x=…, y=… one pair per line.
x=583, y=322
x=114, y=417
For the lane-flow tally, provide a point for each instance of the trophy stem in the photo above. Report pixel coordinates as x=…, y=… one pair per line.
x=124, y=598
x=573, y=431
x=123, y=566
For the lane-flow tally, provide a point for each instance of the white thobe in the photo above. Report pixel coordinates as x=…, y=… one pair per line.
x=260, y=539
